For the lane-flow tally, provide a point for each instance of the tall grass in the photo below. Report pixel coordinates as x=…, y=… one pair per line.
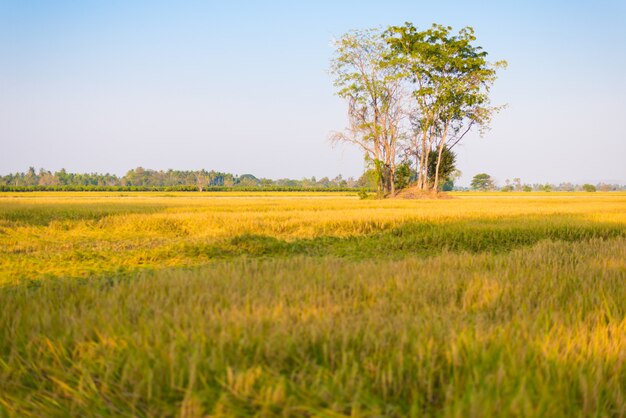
x=535, y=332
x=183, y=307
x=81, y=234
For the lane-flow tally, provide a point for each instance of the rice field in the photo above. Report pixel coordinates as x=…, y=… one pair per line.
x=287, y=304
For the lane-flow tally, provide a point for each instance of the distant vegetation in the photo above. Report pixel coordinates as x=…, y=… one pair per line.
x=484, y=182
x=140, y=179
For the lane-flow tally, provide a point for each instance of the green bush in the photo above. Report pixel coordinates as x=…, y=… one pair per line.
x=363, y=193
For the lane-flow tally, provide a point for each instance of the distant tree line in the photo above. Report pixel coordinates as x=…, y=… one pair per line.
x=141, y=179
x=484, y=182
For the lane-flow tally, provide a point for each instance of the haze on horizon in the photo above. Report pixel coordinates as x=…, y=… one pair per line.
x=243, y=87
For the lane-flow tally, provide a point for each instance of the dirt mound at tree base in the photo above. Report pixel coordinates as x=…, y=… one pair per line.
x=415, y=193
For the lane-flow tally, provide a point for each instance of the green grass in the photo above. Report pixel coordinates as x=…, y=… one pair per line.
x=422, y=239
x=283, y=307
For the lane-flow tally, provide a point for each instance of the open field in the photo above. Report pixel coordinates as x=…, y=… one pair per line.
x=284, y=304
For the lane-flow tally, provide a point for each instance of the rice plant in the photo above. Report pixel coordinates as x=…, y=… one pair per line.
x=193, y=305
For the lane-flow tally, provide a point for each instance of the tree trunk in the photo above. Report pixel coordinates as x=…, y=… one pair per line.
x=392, y=179
x=422, y=168
x=427, y=143
x=426, y=154
x=439, y=154
x=380, y=178
x=436, y=182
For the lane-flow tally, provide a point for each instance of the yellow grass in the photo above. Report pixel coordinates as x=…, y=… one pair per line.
x=79, y=234
x=195, y=305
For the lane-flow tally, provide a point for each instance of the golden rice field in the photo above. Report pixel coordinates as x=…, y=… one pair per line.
x=292, y=304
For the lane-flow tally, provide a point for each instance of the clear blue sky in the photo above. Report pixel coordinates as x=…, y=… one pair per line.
x=242, y=86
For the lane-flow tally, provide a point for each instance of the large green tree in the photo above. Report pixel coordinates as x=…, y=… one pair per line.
x=450, y=80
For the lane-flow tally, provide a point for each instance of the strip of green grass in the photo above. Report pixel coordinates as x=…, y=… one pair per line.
x=420, y=239
x=423, y=238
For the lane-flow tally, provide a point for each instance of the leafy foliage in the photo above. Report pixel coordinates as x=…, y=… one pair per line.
x=482, y=181
x=403, y=175
x=451, y=79
x=447, y=166
x=372, y=90
x=140, y=179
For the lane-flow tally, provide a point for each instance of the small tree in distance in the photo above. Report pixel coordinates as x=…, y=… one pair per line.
x=589, y=188
x=482, y=182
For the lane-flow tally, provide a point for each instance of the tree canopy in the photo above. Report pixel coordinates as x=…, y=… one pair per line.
x=374, y=94
x=483, y=181
x=420, y=90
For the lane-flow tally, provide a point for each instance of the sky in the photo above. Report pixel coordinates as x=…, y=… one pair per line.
x=243, y=86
